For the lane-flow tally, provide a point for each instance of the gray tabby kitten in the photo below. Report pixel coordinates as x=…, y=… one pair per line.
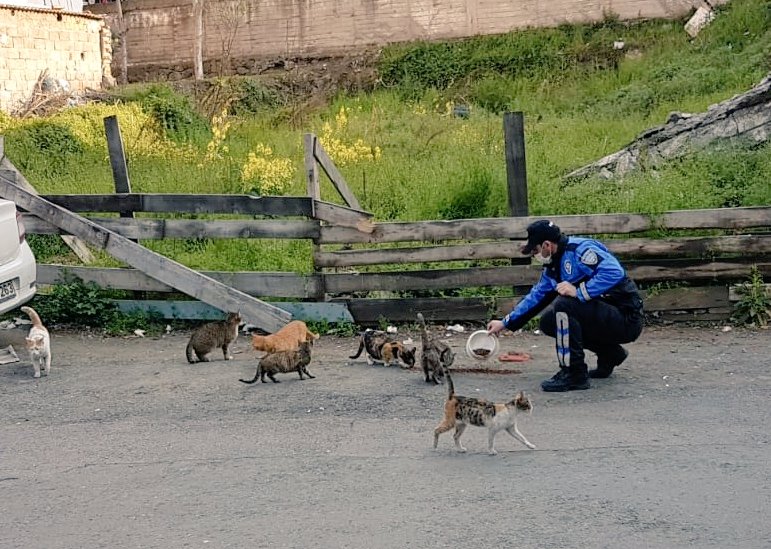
x=433, y=355
x=212, y=336
x=283, y=362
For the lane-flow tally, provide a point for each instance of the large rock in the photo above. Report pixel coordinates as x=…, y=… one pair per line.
x=746, y=117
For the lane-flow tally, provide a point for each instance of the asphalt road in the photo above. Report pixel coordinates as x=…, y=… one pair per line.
x=127, y=445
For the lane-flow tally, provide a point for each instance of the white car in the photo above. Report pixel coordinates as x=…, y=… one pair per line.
x=18, y=269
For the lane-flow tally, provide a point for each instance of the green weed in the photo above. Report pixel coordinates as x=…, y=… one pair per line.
x=754, y=307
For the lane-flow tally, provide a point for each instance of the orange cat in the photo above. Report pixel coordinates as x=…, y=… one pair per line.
x=287, y=338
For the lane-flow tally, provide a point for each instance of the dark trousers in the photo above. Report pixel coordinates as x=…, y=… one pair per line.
x=594, y=325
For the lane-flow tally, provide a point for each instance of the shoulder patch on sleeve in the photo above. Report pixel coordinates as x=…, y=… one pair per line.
x=589, y=257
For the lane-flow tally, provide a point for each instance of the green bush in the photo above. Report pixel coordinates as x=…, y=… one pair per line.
x=45, y=147
x=76, y=302
x=253, y=97
x=174, y=112
x=471, y=200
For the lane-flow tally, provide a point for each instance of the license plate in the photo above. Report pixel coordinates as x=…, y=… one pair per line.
x=7, y=290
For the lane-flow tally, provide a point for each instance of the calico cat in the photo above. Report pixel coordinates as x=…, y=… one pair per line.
x=381, y=347
x=213, y=335
x=38, y=342
x=460, y=411
x=283, y=362
x=287, y=338
x=434, y=354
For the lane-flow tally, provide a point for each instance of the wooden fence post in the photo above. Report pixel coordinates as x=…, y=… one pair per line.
x=314, y=192
x=516, y=169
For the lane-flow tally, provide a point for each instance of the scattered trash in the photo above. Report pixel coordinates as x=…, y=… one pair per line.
x=537, y=332
x=408, y=341
x=168, y=328
x=457, y=328
x=665, y=377
x=7, y=325
x=392, y=329
x=139, y=332
x=514, y=357
x=618, y=44
x=726, y=329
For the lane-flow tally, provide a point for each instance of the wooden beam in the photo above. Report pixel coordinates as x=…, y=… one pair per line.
x=632, y=247
x=253, y=283
x=516, y=165
x=169, y=272
x=335, y=176
x=156, y=229
x=311, y=171
x=186, y=203
x=197, y=310
x=516, y=227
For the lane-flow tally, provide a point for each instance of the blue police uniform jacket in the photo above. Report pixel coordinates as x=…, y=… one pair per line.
x=591, y=268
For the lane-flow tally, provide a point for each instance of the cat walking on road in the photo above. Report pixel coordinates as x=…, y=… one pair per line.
x=38, y=343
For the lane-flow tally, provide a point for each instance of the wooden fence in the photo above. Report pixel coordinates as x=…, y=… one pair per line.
x=432, y=257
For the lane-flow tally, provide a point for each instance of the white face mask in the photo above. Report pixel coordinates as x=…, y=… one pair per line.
x=542, y=260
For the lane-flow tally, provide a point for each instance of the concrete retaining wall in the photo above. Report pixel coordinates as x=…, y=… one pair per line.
x=161, y=31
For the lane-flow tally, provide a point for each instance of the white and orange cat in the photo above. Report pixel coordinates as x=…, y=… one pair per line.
x=38, y=342
x=287, y=338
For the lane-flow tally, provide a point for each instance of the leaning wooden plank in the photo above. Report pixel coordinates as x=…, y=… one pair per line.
x=637, y=247
x=516, y=227
x=75, y=244
x=156, y=229
x=344, y=217
x=334, y=175
x=170, y=272
x=186, y=203
x=252, y=283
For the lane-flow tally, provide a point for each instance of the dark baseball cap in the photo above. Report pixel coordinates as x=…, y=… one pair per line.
x=538, y=232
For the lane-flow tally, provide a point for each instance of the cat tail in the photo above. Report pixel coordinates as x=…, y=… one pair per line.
x=422, y=321
x=361, y=347
x=33, y=316
x=448, y=377
x=189, y=353
x=250, y=381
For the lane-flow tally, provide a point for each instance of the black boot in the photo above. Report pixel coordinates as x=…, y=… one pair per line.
x=606, y=361
x=574, y=378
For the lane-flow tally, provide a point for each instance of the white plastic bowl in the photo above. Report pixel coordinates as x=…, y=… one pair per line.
x=481, y=346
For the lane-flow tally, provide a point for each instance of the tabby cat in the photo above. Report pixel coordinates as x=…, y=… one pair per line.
x=460, y=411
x=287, y=338
x=381, y=347
x=220, y=334
x=38, y=342
x=283, y=362
x=434, y=354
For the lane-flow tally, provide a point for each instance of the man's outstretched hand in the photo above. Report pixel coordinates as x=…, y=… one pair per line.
x=494, y=327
